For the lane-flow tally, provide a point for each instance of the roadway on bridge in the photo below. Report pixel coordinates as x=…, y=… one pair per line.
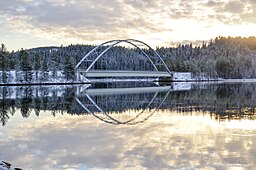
x=111, y=73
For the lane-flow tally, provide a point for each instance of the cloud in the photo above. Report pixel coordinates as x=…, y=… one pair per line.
x=235, y=7
x=86, y=20
x=100, y=20
x=233, y=12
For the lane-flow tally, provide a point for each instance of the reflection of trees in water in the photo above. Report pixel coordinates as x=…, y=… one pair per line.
x=236, y=113
x=37, y=103
x=69, y=99
x=26, y=102
x=4, y=112
x=6, y=107
x=224, y=101
x=218, y=111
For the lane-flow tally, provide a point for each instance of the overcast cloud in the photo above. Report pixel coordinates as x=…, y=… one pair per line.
x=99, y=20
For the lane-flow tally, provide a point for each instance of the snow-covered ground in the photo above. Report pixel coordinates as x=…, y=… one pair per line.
x=184, y=76
x=17, y=77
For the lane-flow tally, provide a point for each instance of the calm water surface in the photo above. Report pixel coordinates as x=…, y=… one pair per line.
x=185, y=126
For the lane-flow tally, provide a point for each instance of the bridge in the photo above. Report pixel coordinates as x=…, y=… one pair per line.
x=92, y=66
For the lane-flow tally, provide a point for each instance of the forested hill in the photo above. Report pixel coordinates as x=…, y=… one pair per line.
x=226, y=57
x=223, y=57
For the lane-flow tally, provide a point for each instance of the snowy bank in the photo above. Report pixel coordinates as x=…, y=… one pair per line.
x=41, y=78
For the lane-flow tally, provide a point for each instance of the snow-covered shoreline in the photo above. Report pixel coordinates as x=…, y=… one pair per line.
x=15, y=79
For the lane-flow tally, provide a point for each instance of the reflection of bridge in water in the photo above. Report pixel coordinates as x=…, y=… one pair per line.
x=98, y=101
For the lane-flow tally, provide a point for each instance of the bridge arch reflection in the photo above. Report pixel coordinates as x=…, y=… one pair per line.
x=88, y=102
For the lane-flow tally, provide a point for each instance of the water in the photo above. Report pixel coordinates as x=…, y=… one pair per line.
x=129, y=126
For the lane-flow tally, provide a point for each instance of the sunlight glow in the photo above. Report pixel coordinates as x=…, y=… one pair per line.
x=241, y=124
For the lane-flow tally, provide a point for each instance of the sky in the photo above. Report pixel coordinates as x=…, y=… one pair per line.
x=33, y=23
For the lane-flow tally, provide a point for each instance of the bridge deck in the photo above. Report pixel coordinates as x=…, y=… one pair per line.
x=109, y=73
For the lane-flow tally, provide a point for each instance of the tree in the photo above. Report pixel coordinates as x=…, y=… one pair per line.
x=44, y=73
x=211, y=67
x=12, y=61
x=4, y=63
x=223, y=67
x=69, y=68
x=25, y=65
x=37, y=64
x=55, y=60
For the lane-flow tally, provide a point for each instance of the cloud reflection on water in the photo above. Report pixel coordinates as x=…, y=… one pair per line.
x=166, y=140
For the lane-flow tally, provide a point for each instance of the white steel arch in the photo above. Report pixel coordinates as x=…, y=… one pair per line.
x=113, y=43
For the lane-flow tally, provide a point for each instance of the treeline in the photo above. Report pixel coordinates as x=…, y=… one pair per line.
x=35, y=65
x=225, y=57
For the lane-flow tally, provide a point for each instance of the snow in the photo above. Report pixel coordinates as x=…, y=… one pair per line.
x=15, y=77
x=182, y=76
x=190, y=77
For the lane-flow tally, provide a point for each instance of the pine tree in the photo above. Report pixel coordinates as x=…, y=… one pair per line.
x=12, y=61
x=37, y=64
x=69, y=68
x=54, y=64
x=45, y=71
x=4, y=63
x=25, y=65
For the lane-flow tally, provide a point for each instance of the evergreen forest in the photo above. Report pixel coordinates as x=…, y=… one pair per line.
x=223, y=57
